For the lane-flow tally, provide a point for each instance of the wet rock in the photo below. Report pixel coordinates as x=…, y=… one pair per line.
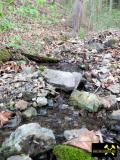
x=43, y=112
x=31, y=139
x=21, y=105
x=107, y=56
x=41, y=101
x=36, y=74
x=63, y=80
x=118, y=138
x=19, y=157
x=74, y=133
x=43, y=93
x=19, y=95
x=1, y=105
x=28, y=96
x=2, y=158
x=56, y=51
x=50, y=103
x=30, y=112
x=42, y=157
x=115, y=88
x=28, y=70
x=86, y=100
x=115, y=115
x=96, y=45
x=64, y=106
x=116, y=128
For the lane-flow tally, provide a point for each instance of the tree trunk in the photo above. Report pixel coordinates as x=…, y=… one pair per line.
x=77, y=16
x=110, y=8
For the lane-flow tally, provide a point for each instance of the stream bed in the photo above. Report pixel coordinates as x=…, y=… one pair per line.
x=59, y=116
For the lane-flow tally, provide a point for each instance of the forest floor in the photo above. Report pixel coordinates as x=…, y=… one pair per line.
x=37, y=83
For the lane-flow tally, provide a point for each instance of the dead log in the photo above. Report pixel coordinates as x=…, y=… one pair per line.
x=41, y=59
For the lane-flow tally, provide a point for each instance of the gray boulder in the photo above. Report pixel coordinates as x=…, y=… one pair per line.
x=61, y=79
x=30, y=139
x=85, y=100
x=19, y=157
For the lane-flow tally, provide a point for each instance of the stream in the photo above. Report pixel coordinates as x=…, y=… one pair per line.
x=59, y=116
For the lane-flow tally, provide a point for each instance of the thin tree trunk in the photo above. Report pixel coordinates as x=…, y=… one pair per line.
x=77, y=17
x=91, y=6
x=110, y=8
x=100, y=6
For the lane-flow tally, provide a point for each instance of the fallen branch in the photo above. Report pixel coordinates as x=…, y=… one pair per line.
x=44, y=59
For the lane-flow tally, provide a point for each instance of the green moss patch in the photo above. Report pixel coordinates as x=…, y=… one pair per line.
x=4, y=55
x=65, y=152
x=42, y=68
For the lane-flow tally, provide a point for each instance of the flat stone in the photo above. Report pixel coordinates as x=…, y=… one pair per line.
x=36, y=74
x=31, y=139
x=115, y=88
x=19, y=157
x=28, y=96
x=28, y=70
x=21, y=105
x=85, y=100
x=118, y=138
x=74, y=133
x=108, y=101
x=61, y=79
x=115, y=115
x=30, y=112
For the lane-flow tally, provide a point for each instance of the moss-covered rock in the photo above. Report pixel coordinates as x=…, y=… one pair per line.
x=5, y=55
x=42, y=68
x=85, y=100
x=65, y=152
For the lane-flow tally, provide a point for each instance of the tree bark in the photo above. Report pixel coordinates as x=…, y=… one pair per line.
x=110, y=8
x=77, y=16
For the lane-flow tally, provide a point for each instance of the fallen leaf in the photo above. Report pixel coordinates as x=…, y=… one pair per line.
x=4, y=117
x=96, y=82
x=108, y=101
x=85, y=140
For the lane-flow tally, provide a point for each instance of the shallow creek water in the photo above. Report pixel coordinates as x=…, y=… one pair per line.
x=61, y=117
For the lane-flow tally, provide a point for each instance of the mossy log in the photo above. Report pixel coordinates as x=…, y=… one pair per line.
x=8, y=53
x=5, y=55
x=41, y=59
